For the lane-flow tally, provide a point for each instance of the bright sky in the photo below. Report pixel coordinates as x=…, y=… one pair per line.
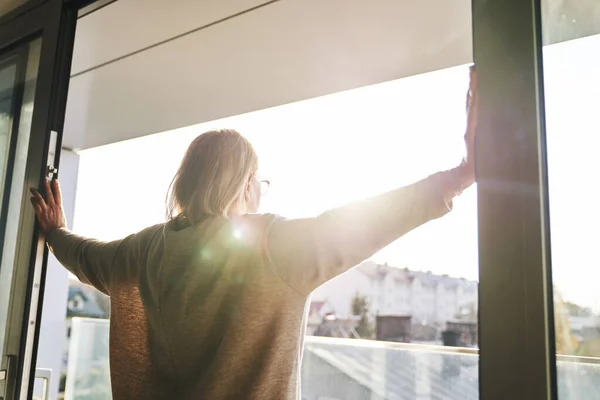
x=328, y=151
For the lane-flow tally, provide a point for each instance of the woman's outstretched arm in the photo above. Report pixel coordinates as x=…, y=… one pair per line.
x=92, y=261
x=306, y=253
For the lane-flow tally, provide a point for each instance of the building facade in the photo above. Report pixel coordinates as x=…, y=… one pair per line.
x=429, y=299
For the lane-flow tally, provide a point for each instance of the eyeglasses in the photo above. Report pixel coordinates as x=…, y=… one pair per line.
x=264, y=186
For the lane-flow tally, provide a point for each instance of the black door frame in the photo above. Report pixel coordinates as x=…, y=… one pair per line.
x=516, y=310
x=54, y=22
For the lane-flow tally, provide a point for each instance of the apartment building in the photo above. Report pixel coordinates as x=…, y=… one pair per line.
x=429, y=298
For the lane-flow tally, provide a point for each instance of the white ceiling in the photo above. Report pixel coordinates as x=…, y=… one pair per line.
x=285, y=51
x=126, y=26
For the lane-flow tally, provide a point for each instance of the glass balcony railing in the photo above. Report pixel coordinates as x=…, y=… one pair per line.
x=88, y=373
x=344, y=369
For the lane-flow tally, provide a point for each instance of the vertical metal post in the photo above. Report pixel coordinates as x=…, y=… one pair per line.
x=515, y=315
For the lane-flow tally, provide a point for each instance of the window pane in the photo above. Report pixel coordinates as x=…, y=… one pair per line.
x=17, y=92
x=572, y=90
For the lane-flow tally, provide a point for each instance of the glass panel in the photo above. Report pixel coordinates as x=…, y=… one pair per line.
x=341, y=369
x=9, y=5
x=572, y=90
x=349, y=369
x=17, y=83
x=8, y=77
x=88, y=370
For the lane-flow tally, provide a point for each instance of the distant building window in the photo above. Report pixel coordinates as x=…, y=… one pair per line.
x=76, y=304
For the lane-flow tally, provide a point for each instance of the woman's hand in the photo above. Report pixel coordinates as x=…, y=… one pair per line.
x=467, y=168
x=49, y=212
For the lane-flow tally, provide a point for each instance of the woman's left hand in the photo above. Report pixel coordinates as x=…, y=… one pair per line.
x=467, y=168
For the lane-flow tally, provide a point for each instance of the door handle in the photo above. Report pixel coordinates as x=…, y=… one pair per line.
x=51, y=170
x=45, y=375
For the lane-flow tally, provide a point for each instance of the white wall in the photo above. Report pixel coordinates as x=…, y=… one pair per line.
x=286, y=51
x=127, y=26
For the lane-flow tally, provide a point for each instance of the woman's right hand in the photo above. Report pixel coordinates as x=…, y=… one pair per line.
x=49, y=211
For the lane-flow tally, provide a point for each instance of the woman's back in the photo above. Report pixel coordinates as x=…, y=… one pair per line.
x=221, y=323
x=197, y=312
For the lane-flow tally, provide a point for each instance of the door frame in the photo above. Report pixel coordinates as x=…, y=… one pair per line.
x=516, y=310
x=54, y=21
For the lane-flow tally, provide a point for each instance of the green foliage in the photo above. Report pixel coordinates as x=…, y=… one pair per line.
x=360, y=307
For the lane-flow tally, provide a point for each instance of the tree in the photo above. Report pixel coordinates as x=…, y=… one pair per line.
x=576, y=310
x=360, y=308
x=566, y=342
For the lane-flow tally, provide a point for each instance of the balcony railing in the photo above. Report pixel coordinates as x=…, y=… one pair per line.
x=345, y=369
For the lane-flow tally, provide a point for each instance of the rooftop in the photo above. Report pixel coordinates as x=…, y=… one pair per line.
x=379, y=271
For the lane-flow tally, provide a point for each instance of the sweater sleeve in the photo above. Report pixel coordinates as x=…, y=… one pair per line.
x=99, y=263
x=306, y=253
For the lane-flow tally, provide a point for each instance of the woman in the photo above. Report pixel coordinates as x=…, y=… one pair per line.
x=211, y=304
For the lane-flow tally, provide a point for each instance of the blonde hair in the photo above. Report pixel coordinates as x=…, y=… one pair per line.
x=212, y=176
